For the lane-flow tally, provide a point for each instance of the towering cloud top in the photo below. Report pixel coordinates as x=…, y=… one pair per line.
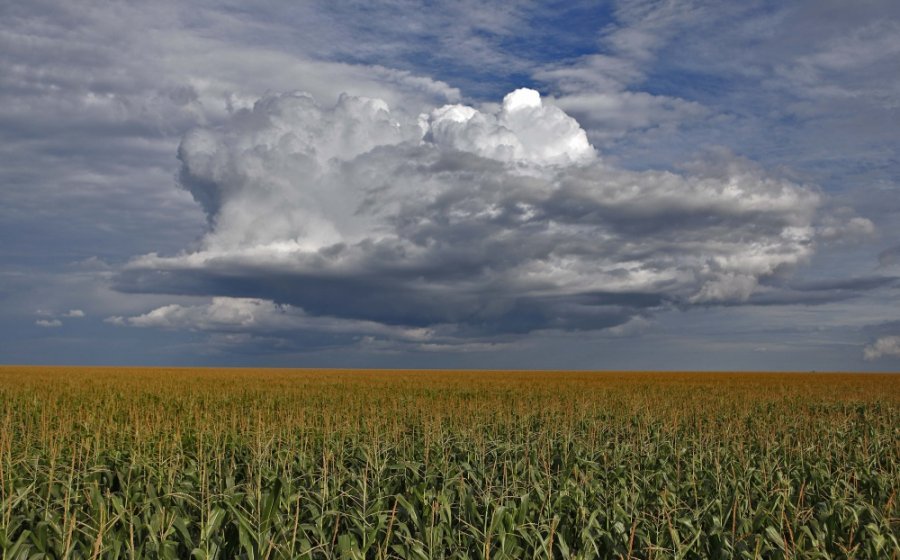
x=524, y=131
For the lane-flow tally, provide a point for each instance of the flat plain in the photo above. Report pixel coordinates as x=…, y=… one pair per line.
x=240, y=463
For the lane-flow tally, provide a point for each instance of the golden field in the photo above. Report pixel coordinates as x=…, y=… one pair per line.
x=260, y=463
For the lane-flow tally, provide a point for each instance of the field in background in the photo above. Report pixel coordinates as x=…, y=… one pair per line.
x=178, y=463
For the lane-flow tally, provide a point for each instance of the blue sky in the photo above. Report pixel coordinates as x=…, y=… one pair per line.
x=591, y=185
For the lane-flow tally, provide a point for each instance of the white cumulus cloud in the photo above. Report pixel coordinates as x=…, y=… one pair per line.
x=885, y=346
x=230, y=316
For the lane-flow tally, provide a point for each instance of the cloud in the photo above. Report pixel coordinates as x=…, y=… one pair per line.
x=51, y=319
x=885, y=346
x=523, y=131
x=613, y=114
x=842, y=225
x=854, y=54
x=234, y=319
x=496, y=222
x=590, y=73
x=889, y=256
x=224, y=314
x=822, y=292
x=643, y=27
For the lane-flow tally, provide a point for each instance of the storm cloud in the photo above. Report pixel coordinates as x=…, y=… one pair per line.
x=497, y=222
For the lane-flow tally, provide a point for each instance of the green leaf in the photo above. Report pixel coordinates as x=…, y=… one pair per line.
x=775, y=537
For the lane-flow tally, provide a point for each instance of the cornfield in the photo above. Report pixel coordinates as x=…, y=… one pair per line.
x=193, y=463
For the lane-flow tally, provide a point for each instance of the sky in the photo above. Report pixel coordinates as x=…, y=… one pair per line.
x=553, y=185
